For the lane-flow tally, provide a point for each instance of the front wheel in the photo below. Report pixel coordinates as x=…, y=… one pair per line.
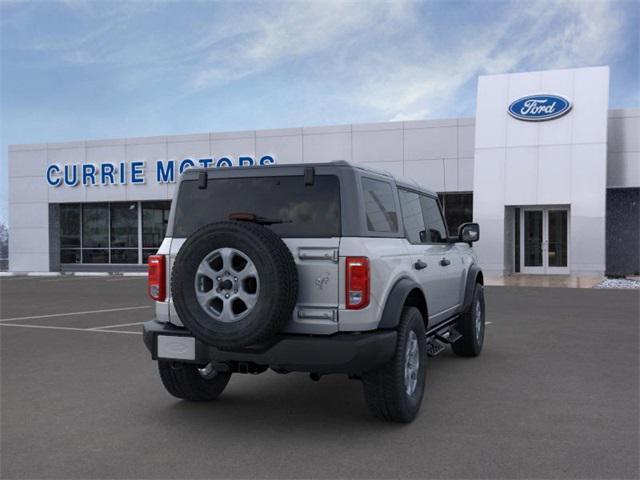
x=471, y=326
x=394, y=392
x=189, y=382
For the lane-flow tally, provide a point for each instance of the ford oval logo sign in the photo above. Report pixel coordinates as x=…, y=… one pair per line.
x=536, y=108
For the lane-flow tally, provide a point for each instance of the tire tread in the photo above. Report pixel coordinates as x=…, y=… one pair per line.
x=384, y=388
x=466, y=345
x=186, y=383
x=287, y=286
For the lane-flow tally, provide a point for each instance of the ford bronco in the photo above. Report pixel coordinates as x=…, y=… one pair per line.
x=319, y=268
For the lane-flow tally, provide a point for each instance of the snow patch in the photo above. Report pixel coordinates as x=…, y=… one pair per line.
x=624, y=283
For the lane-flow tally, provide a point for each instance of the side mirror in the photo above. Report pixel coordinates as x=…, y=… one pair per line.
x=469, y=232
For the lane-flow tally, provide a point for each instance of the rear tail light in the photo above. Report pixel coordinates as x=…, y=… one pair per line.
x=157, y=279
x=357, y=282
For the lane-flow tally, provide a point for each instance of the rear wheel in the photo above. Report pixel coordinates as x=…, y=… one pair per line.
x=471, y=326
x=189, y=382
x=394, y=392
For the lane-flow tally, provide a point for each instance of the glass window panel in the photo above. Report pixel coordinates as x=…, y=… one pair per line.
x=126, y=255
x=124, y=225
x=146, y=253
x=412, y=215
x=95, y=256
x=436, y=231
x=558, y=238
x=69, y=225
x=305, y=210
x=95, y=225
x=532, y=238
x=155, y=216
x=457, y=209
x=70, y=255
x=380, y=208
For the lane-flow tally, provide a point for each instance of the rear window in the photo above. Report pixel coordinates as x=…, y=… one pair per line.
x=305, y=210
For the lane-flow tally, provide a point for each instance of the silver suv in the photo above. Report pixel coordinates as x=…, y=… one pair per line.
x=319, y=268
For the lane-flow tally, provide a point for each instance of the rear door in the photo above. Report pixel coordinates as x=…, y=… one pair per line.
x=444, y=258
x=432, y=255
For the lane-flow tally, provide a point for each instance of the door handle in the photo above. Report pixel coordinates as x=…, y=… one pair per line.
x=419, y=265
x=445, y=261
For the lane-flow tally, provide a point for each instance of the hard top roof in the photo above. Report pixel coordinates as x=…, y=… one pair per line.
x=400, y=181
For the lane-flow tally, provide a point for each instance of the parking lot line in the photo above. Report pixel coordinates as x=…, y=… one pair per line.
x=87, y=312
x=118, y=325
x=50, y=327
x=122, y=279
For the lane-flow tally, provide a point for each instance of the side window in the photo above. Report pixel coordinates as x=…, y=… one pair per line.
x=412, y=215
x=380, y=208
x=436, y=231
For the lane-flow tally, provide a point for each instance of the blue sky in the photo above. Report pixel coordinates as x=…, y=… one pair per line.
x=74, y=70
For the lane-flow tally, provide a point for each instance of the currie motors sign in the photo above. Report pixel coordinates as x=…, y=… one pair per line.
x=540, y=107
x=135, y=172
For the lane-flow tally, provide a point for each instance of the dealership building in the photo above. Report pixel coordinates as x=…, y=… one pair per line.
x=548, y=170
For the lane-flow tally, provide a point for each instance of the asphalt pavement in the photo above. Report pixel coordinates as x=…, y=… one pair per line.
x=554, y=395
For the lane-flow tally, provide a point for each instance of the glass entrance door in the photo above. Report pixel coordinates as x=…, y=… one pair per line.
x=544, y=244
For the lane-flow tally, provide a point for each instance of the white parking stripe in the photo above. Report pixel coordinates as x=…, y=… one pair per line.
x=49, y=327
x=122, y=279
x=88, y=312
x=69, y=279
x=119, y=325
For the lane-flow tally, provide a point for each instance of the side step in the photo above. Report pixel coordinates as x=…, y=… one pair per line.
x=435, y=342
x=450, y=336
x=434, y=348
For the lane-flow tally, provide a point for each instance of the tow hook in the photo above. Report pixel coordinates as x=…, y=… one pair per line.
x=315, y=376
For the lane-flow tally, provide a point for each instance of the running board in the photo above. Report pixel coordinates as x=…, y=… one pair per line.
x=434, y=348
x=444, y=333
x=450, y=336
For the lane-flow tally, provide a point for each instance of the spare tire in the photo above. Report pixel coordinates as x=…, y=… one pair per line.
x=234, y=284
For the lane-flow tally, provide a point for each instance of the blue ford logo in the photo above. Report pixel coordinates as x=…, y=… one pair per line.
x=536, y=108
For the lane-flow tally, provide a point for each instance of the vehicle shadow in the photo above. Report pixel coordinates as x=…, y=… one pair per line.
x=272, y=402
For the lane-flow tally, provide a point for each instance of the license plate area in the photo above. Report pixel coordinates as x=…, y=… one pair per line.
x=176, y=348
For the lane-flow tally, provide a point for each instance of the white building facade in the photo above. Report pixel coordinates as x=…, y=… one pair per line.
x=550, y=173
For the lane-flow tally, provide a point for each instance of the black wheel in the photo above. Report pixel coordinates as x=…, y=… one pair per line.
x=189, y=382
x=394, y=392
x=471, y=326
x=234, y=284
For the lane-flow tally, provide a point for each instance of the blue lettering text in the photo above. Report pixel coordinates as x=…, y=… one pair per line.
x=51, y=180
x=224, y=162
x=88, y=174
x=165, y=174
x=106, y=173
x=137, y=172
x=184, y=164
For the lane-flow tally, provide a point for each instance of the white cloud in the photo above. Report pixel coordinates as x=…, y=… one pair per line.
x=389, y=57
x=531, y=35
x=293, y=31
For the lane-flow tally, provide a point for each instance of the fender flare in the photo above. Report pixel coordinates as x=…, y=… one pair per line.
x=396, y=301
x=473, y=276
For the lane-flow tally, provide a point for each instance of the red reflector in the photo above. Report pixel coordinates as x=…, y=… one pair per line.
x=156, y=278
x=357, y=282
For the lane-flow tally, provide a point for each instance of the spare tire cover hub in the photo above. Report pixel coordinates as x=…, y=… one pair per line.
x=227, y=284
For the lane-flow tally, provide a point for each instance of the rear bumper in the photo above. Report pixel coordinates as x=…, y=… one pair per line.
x=351, y=353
